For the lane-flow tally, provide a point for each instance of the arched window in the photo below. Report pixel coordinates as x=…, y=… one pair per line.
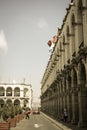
x=2, y=91
x=82, y=73
x=72, y=19
x=9, y=91
x=67, y=31
x=16, y=102
x=25, y=92
x=25, y=102
x=2, y=102
x=80, y=5
x=17, y=92
x=9, y=102
x=63, y=39
x=73, y=32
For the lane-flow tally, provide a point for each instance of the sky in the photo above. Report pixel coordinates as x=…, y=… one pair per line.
x=25, y=28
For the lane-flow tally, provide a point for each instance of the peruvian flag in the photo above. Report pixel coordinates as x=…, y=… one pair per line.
x=54, y=39
x=49, y=43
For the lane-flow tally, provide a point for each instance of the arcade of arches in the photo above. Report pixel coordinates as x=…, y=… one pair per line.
x=18, y=94
x=64, y=83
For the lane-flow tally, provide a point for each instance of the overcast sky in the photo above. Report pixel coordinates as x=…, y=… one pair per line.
x=25, y=28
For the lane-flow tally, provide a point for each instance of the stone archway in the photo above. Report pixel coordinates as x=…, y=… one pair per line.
x=73, y=45
x=82, y=94
x=26, y=92
x=25, y=102
x=2, y=102
x=17, y=92
x=16, y=102
x=2, y=91
x=69, y=96
x=75, y=106
x=9, y=91
x=81, y=73
x=9, y=102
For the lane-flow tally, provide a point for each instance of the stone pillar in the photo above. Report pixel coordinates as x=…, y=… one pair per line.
x=58, y=99
x=61, y=106
x=5, y=92
x=75, y=109
x=69, y=97
x=13, y=93
x=84, y=14
x=69, y=106
x=82, y=97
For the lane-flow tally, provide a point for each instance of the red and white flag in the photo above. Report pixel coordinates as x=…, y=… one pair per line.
x=54, y=39
x=49, y=43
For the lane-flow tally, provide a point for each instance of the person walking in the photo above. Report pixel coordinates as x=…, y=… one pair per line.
x=27, y=114
x=65, y=115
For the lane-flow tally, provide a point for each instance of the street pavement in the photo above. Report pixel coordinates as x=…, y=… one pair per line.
x=24, y=124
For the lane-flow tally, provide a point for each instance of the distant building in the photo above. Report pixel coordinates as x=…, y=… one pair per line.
x=18, y=94
x=36, y=105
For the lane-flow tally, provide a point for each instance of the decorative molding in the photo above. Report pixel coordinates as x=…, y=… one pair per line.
x=83, y=8
x=70, y=35
x=62, y=50
x=58, y=55
x=75, y=24
x=65, y=43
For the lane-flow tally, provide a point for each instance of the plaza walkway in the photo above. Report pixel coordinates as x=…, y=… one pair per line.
x=24, y=125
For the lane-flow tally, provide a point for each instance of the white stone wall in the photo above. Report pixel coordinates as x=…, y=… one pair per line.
x=21, y=98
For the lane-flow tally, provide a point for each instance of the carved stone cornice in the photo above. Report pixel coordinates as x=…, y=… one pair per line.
x=81, y=55
x=82, y=51
x=75, y=24
x=68, y=68
x=74, y=60
x=65, y=43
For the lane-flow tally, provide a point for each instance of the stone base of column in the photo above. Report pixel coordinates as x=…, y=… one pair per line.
x=73, y=122
x=82, y=124
x=69, y=119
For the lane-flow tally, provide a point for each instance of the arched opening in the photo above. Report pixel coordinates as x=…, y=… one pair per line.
x=82, y=95
x=69, y=95
x=73, y=32
x=75, y=102
x=80, y=21
x=68, y=41
x=67, y=31
x=16, y=92
x=26, y=92
x=2, y=91
x=1, y=102
x=81, y=74
x=16, y=102
x=9, y=102
x=25, y=102
x=9, y=91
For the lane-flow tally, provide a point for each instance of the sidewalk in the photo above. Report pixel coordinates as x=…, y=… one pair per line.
x=22, y=125
x=64, y=126
x=57, y=123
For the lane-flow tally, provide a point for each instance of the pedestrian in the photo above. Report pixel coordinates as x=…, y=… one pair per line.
x=27, y=114
x=65, y=115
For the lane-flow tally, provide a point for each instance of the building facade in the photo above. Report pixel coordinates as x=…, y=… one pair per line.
x=18, y=94
x=64, y=83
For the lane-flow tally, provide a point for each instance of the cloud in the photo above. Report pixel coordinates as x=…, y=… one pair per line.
x=42, y=24
x=3, y=43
